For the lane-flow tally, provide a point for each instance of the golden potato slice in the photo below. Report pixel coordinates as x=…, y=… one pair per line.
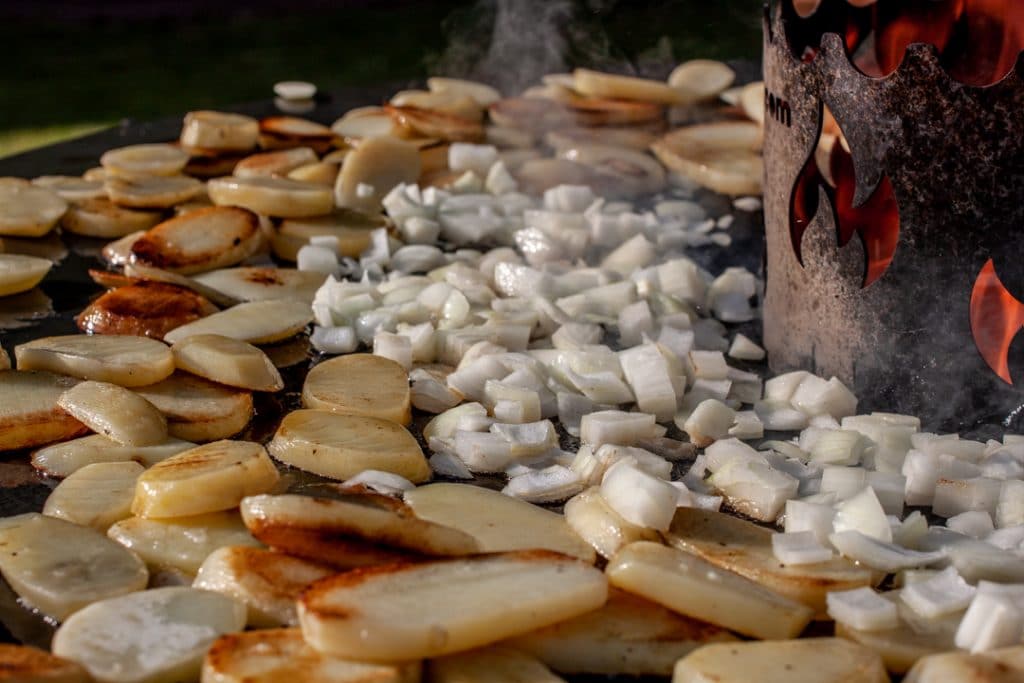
x=199, y=410
x=629, y=636
x=320, y=173
x=272, y=196
x=115, y=412
x=371, y=170
x=277, y=655
x=1004, y=665
x=101, y=217
x=19, y=273
x=497, y=522
x=494, y=664
x=27, y=210
x=253, y=283
x=277, y=163
x=341, y=446
x=692, y=586
x=723, y=156
x=431, y=123
x=701, y=79
x=483, y=94
x=145, y=272
x=341, y=552
x=267, y=582
x=144, y=160
x=144, y=308
x=123, y=360
x=597, y=84
x=596, y=523
x=221, y=131
x=811, y=660
x=208, y=478
x=59, y=567
x=66, y=458
x=360, y=384
x=181, y=544
x=29, y=414
x=72, y=188
x=282, y=132
x=22, y=664
x=227, y=361
x=256, y=322
x=154, y=636
x=152, y=192
x=399, y=612
x=746, y=548
x=200, y=240
x=96, y=495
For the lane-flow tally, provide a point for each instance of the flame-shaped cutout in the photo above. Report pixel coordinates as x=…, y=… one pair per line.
x=996, y=318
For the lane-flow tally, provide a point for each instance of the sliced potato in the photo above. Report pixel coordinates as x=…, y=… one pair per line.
x=367, y=517
x=199, y=410
x=183, y=543
x=701, y=79
x=618, y=171
x=66, y=458
x=596, y=523
x=154, y=636
x=19, y=273
x=22, y=664
x=208, y=478
x=630, y=137
x=746, y=548
x=352, y=228
x=364, y=122
x=409, y=611
x=497, y=522
x=360, y=384
x=152, y=192
x=341, y=446
x=28, y=210
x=251, y=283
x=722, y=156
x=272, y=196
x=59, y=567
x=256, y=322
x=1004, y=665
x=752, y=100
x=5, y=360
x=153, y=274
x=97, y=495
x=123, y=360
x=629, y=636
x=372, y=169
x=227, y=361
x=340, y=552
x=72, y=188
x=144, y=308
x=494, y=664
x=119, y=252
x=115, y=412
x=273, y=656
x=810, y=660
x=483, y=94
x=598, y=84
x=215, y=130
x=267, y=582
x=207, y=164
x=319, y=173
x=101, y=217
x=283, y=132
x=692, y=586
x=29, y=414
x=200, y=240
x=277, y=163
x=144, y=160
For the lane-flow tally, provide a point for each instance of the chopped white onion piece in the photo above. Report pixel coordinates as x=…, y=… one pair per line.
x=779, y=415
x=749, y=204
x=429, y=394
x=445, y=424
x=804, y=516
x=816, y=396
x=744, y=348
x=710, y=421
x=463, y=156
x=747, y=426
x=862, y=512
x=880, y=555
x=802, y=547
x=393, y=346
x=635, y=321
x=862, y=609
x=549, y=485
x=944, y=593
x=483, y=451
x=638, y=497
x=449, y=465
x=843, y=481
x=973, y=523
x=334, y=339
x=990, y=622
x=386, y=483
x=618, y=427
x=529, y=439
x=317, y=259
x=953, y=496
x=890, y=488
x=754, y=488
x=838, y=447
x=723, y=452
x=648, y=374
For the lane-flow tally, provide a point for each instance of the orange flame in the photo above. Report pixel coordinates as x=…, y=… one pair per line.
x=996, y=318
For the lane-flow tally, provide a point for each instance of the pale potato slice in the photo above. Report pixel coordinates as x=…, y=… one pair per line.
x=352, y=228
x=701, y=79
x=277, y=163
x=494, y=664
x=364, y=122
x=101, y=217
x=273, y=656
x=142, y=160
x=72, y=188
x=143, y=308
x=1004, y=665
x=367, y=517
x=267, y=582
x=272, y=196
x=497, y=522
x=29, y=414
x=723, y=156
x=256, y=322
x=119, y=252
x=200, y=240
x=483, y=94
x=227, y=361
x=596, y=523
x=449, y=103
x=181, y=544
x=341, y=446
x=19, y=273
x=59, y=567
x=752, y=101
x=746, y=548
x=154, y=636
x=66, y=458
x=372, y=169
x=27, y=210
x=115, y=412
x=692, y=586
x=811, y=660
x=253, y=283
x=221, y=131
x=630, y=137
x=360, y=384
x=597, y=84
x=123, y=360
x=410, y=611
x=320, y=173
x=198, y=409
x=152, y=192
x=208, y=478
x=629, y=636
x=22, y=664
x=97, y=495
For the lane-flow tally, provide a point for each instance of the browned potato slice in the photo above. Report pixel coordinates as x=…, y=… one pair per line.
x=360, y=384
x=197, y=409
x=27, y=210
x=205, y=163
x=272, y=196
x=144, y=160
x=430, y=123
x=1005, y=665
x=372, y=169
x=494, y=664
x=723, y=156
x=141, y=271
x=535, y=115
x=152, y=192
x=101, y=217
x=200, y=240
x=227, y=361
x=596, y=111
x=216, y=130
x=340, y=552
x=124, y=360
x=281, y=132
x=23, y=664
x=115, y=412
x=274, y=163
x=257, y=322
x=253, y=283
x=145, y=308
